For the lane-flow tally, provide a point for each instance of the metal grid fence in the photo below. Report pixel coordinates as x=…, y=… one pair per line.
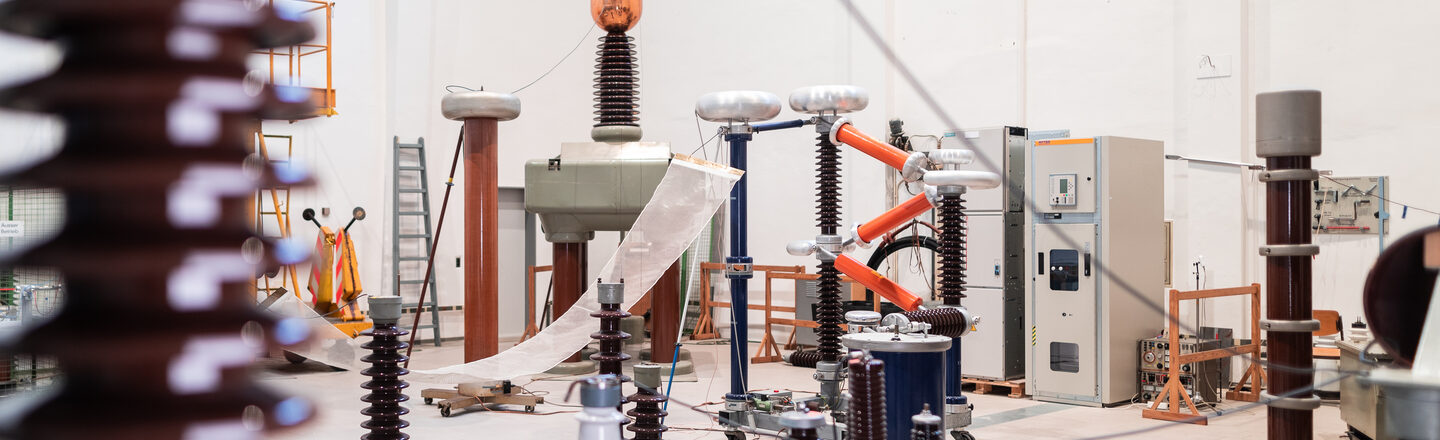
x=28, y=294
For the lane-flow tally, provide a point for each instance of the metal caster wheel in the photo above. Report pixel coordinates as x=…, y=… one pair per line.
x=445, y=411
x=429, y=401
x=529, y=408
x=962, y=435
x=735, y=436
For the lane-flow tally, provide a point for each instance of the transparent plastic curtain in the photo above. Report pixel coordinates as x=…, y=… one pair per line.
x=687, y=196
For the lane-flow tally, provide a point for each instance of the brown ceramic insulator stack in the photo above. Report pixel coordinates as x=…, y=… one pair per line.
x=648, y=400
x=867, y=398
x=611, y=339
x=157, y=195
x=803, y=358
x=944, y=321
x=828, y=312
x=952, y=249
x=385, y=385
x=616, y=81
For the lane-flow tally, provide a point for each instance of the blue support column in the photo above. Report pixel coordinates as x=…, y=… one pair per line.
x=737, y=269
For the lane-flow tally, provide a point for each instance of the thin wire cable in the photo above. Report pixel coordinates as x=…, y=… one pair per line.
x=713, y=417
x=989, y=165
x=1387, y=200
x=703, y=144
x=562, y=60
x=1220, y=413
x=451, y=88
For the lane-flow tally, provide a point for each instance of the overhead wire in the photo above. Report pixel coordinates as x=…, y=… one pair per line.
x=590, y=30
x=934, y=106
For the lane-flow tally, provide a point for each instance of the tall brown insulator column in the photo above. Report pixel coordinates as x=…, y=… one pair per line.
x=481, y=112
x=665, y=315
x=157, y=247
x=1287, y=135
x=568, y=275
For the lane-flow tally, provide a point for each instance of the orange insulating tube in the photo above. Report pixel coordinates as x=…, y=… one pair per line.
x=881, y=285
x=893, y=218
x=894, y=157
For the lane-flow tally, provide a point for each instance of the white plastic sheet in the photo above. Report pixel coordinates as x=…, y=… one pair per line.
x=327, y=344
x=687, y=196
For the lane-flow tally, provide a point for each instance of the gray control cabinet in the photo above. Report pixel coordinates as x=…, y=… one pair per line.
x=1096, y=265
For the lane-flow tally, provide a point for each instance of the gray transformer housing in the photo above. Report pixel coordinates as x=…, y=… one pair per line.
x=1096, y=265
x=593, y=186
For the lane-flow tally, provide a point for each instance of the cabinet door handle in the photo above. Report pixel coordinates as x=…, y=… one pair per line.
x=1041, y=264
x=1087, y=264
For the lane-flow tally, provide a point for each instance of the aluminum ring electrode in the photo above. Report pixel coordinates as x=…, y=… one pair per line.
x=1295, y=403
x=1289, y=175
x=835, y=129
x=1290, y=250
x=738, y=106
x=1288, y=326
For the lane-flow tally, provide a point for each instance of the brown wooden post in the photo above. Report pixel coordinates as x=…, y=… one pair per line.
x=569, y=276
x=665, y=315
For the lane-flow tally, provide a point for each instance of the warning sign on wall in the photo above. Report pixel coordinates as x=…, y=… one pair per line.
x=12, y=228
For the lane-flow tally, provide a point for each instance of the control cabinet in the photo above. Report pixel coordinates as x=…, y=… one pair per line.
x=1095, y=264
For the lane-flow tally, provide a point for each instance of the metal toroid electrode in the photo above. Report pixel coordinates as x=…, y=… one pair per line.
x=647, y=399
x=928, y=426
x=386, y=387
x=867, y=397
x=803, y=425
x=157, y=246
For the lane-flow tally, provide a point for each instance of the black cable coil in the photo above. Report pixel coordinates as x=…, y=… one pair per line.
x=617, y=92
x=158, y=121
x=386, y=387
x=867, y=398
x=952, y=249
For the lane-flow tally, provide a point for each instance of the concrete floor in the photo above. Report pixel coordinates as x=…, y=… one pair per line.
x=337, y=397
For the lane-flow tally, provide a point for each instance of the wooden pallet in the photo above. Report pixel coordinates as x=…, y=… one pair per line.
x=983, y=386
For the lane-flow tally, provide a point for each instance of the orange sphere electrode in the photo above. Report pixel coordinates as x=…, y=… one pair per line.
x=615, y=16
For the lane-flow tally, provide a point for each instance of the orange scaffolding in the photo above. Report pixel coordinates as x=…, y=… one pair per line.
x=291, y=59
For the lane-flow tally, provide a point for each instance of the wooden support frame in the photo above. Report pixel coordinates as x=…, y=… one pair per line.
x=1174, y=392
x=704, y=321
x=531, y=326
x=769, y=350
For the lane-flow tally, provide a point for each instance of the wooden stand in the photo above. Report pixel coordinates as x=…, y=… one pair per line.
x=467, y=395
x=531, y=326
x=704, y=321
x=982, y=386
x=1174, y=392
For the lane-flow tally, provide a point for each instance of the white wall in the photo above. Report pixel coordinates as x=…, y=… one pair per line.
x=1117, y=67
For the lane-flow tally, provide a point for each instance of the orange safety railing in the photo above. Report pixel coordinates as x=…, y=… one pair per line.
x=1174, y=392
x=291, y=60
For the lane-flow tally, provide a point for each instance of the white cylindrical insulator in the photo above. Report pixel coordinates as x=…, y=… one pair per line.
x=967, y=178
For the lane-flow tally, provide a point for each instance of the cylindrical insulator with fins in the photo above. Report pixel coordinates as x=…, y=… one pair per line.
x=828, y=312
x=944, y=321
x=648, y=400
x=157, y=209
x=610, y=357
x=952, y=249
x=803, y=358
x=617, y=92
x=867, y=398
x=386, y=387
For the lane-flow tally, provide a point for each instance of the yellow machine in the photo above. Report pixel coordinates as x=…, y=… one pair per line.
x=335, y=276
